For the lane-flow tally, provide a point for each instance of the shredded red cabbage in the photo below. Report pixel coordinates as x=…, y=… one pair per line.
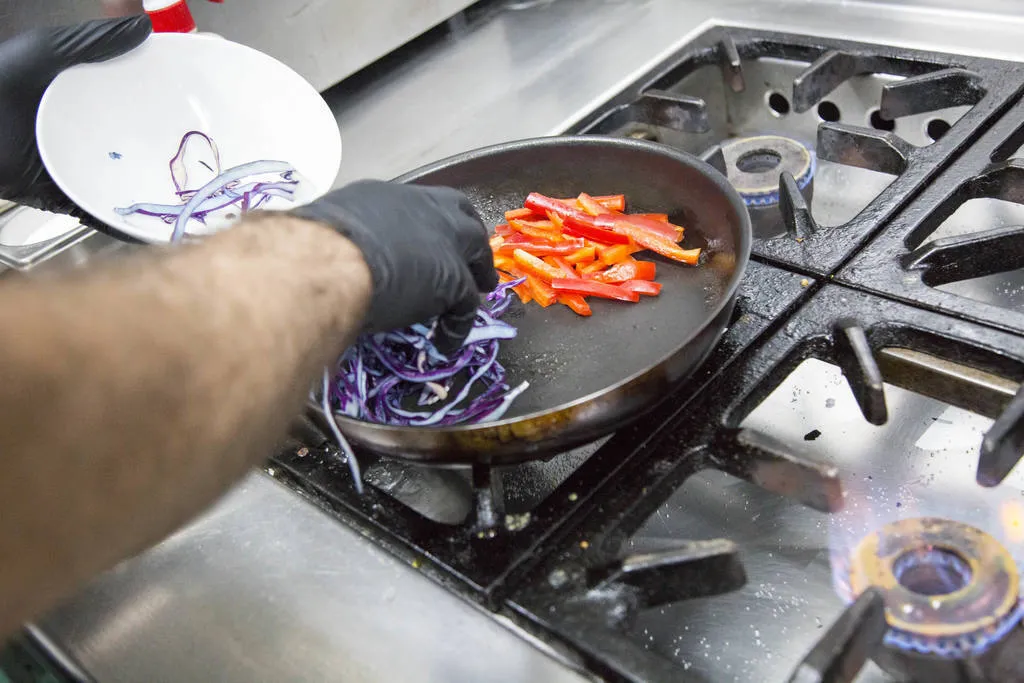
x=205, y=190
x=400, y=378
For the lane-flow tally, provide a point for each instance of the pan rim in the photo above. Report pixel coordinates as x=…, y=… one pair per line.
x=726, y=298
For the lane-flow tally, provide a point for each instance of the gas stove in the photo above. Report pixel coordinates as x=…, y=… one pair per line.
x=833, y=495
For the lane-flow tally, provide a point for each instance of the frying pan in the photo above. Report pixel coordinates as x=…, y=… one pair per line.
x=588, y=376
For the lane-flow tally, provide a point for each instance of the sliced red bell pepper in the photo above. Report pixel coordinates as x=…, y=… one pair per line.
x=627, y=270
x=661, y=217
x=538, y=248
x=612, y=202
x=591, y=288
x=505, y=263
x=519, y=238
x=522, y=291
x=644, y=287
x=556, y=219
x=576, y=302
x=518, y=214
x=664, y=230
x=537, y=233
x=535, y=266
x=617, y=254
x=666, y=248
x=542, y=292
x=589, y=269
x=591, y=205
x=562, y=265
x=504, y=230
x=584, y=255
x=570, y=214
x=537, y=225
x=595, y=234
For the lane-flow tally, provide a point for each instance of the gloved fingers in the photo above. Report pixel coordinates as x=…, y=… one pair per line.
x=99, y=40
x=454, y=325
x=470, y=236
x=480, y=260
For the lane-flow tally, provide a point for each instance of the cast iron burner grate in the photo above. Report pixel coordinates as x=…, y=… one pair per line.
x=591, y=587
x=464, y=527
x=881, y=122
x=959, y=273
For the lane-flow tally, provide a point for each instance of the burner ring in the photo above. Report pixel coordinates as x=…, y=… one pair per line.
x=753, y=166
x=950, y=589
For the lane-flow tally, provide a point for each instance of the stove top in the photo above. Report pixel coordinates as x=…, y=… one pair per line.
x=833, y=495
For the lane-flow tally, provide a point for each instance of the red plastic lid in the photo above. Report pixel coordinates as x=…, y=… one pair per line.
x=175, y=17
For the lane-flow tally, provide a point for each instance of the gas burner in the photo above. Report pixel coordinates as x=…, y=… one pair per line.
x=951, y=590
x=882, y=121
x=753, y=166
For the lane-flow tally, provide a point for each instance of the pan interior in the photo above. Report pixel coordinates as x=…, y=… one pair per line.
x=566, y=357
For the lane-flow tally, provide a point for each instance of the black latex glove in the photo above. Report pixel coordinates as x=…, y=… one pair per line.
x=28, y=63
x=426, y=248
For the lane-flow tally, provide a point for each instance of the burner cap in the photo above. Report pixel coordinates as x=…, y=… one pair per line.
x=950, y=590
x=753, y=166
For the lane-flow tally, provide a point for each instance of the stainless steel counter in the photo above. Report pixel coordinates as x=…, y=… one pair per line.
x=265, y=586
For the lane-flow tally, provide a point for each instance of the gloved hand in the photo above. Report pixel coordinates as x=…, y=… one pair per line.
x=426, y=248
x=28, y=63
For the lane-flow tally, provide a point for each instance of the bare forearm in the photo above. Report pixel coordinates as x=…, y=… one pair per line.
x=133, y=396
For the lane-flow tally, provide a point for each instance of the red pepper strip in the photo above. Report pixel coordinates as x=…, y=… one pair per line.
x=537, y=225
x=520, y=238
x=496, y=241
x=569, y=214
x=664, y=230
x=518, y=214
x=556, y=220
x=666, y=248
x=504, y=230
x=536, y=267
x=506, y=264
x=561, y=264
x=661, y=217
x=627, y=270
x=584, y=255
x=591, y=288
x=612, y=202
x=541, y=291
x=576, y=302
x=617, y=254
x=550, y=236
x=591, y=205
x=522, y=291
x=589, y=269
x=596, y=234
x=644, y=287
x=539, y=249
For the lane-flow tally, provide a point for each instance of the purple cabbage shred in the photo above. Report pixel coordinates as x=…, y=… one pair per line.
x=400, y=378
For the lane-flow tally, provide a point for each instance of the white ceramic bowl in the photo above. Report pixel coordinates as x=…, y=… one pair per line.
x=107, y=132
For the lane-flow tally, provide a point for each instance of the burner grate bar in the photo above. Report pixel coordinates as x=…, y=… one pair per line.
x=930, y=92
x=693, y=569
x=857, y=361
x=795, y=212
x=823, y=76
x=1003, y=445
x=842, y=652
x=958, y=385
x=732, y=65
x=874, y=150
x=761, y=460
